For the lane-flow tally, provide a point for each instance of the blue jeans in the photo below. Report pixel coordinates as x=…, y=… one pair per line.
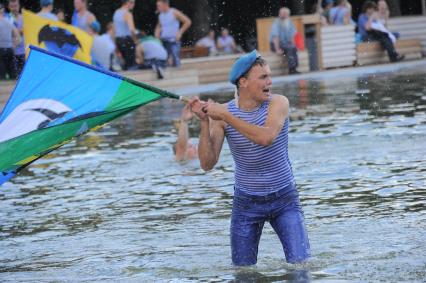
x=173, y=50
x=149, y=63
x=290, y=51
x=283, y=211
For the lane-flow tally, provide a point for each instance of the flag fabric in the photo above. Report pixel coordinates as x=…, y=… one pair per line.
x=57, y=37
x=58, y=98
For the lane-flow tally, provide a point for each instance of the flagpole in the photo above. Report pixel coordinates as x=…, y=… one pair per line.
x=160, y=91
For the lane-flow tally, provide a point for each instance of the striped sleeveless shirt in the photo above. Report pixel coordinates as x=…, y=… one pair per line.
x=259, y=170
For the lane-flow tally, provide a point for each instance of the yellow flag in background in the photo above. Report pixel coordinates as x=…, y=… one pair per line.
x=57, y=37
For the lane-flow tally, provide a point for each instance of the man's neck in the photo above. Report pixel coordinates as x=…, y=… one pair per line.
x=245, y=102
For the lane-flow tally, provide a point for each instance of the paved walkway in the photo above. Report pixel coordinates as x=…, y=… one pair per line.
x=318, y=75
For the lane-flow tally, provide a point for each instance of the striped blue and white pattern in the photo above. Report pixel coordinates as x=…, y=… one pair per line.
x=259, y=170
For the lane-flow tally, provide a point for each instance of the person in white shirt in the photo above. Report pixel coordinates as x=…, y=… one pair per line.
x=103, y=46
x=226, y=43
x=208, y=41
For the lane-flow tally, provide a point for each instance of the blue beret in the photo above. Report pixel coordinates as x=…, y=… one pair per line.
x=45, y=3
x=242, y=65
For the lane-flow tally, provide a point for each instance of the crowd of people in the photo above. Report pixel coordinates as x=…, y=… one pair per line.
x=372, y=24
x=124, y=47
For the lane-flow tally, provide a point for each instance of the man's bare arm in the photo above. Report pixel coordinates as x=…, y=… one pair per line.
x=210, y=144
x=186, y=23
x=262, y=135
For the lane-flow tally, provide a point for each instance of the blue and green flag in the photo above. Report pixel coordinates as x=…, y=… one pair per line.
x=58, y=98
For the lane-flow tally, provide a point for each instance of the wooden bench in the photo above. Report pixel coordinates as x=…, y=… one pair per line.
x=410, y=27
x=194, y=51
x=211, y=69
x=372, y=52
x=173, y=78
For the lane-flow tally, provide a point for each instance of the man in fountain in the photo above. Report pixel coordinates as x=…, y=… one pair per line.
x=183, y=148
x=255, y=125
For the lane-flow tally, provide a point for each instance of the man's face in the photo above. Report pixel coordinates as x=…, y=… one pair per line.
x=161, y=6
x=78, y=4
x=14, y=6
x=370, y=11
x=258, y=82
x=131, y=5
x=381, y=5
x=283, y=14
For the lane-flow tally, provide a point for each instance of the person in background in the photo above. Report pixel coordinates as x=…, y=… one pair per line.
x=125, y=33
x=171, y=25
x=371, y=29
x=9, y=38
x=46, y=10
x=82, y=18
x=340, y=14
x=102, y=50
x=183, y=148
x=226, y=43
x=117, y=58
x=383, y=12
x=61, y=15
x=208, y=41
x=150, y=53
x=282, y=39
x=255, y=124
x=15, y=17
x=327, y=5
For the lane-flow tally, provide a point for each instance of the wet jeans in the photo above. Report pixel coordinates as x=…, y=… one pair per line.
x=173, y=50
x=283, y=211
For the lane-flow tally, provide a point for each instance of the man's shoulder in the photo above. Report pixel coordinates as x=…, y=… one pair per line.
x=279, y=101
x=279, y=98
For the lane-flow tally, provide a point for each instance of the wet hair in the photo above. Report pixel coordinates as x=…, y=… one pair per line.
x=258, y=62
x=368, y=5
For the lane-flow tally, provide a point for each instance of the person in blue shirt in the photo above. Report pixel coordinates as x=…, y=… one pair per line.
x=340, y=14
x=255, y=124
x=172, y=24
x=16, y=19
x=150, y=53
x=368, y=22
x=282, y=39
x=46, y=10
x=82, y=17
